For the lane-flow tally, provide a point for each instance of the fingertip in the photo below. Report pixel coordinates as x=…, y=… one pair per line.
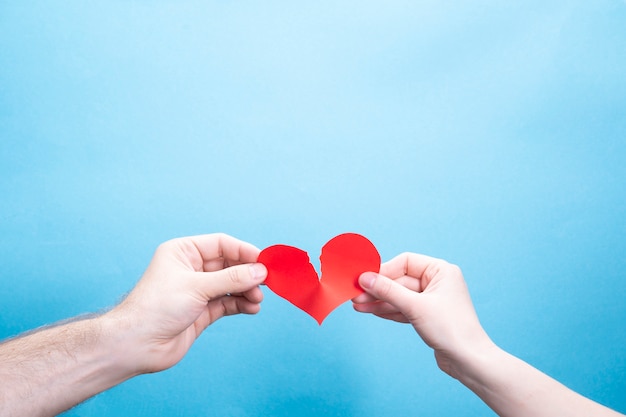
x=363, y=298
x=252, y=308
x=258, y=272
x=367, y=280
x=359, y=307
x=254, y=295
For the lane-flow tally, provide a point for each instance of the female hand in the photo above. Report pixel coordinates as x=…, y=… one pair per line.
x=431, y=294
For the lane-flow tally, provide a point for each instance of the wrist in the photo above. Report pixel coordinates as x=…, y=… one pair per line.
x=105, y=362
x=117, y=339
x=469, y=357
x=482, y=368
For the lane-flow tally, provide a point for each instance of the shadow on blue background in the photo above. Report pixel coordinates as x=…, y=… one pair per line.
x=492, y=135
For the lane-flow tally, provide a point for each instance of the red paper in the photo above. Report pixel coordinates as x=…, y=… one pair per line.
x=344, y=258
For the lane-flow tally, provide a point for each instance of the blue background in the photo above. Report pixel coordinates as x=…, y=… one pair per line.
x=490, y=134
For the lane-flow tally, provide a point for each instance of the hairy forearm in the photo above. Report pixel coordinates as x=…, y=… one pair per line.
x=51, y=370
x=513, y=388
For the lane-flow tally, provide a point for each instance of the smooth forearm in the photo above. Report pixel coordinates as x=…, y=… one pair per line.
x=513, y=388
x=51, y=370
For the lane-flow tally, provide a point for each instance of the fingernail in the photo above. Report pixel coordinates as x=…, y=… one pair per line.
x=367, y=279
x=258, y=271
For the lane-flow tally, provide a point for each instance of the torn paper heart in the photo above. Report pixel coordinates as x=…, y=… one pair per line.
x=344, y=258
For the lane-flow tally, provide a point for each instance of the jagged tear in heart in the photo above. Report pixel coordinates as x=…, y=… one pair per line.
x=292, y=276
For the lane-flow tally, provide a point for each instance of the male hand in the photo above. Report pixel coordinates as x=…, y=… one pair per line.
x=190, y=283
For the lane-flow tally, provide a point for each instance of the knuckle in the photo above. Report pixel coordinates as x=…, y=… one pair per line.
x=165, y=246
x=385, y=288
x=433, y=269
x=219, y=236
x=170, y=245
x=234, y=275
x=455, y=269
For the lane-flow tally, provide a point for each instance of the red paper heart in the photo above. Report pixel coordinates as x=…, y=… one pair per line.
x=344, y=257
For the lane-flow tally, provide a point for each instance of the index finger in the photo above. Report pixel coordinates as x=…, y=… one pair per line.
x=219, y=250
x=411, y=264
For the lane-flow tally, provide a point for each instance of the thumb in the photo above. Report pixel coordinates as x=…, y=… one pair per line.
x=231, y=280
x=387, y=290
